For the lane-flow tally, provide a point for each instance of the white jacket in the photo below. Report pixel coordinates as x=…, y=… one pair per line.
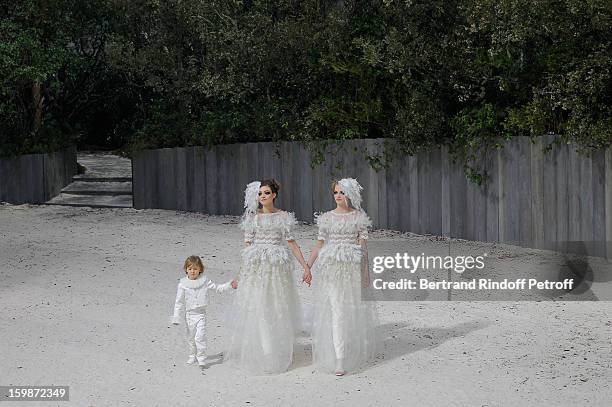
x=192, y=294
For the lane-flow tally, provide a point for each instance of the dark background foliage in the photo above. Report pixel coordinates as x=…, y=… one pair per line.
x=469, y=74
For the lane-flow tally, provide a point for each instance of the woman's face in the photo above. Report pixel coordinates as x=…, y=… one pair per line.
x=339, y=196
x=266, y=196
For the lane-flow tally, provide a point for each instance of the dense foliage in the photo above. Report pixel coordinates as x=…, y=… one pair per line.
x=156, y=73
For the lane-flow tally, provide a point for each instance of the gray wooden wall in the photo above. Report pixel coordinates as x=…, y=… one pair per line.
x=36, y=178
x=558, y=200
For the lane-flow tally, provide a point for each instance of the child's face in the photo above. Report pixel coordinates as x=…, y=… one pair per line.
x=193, y=271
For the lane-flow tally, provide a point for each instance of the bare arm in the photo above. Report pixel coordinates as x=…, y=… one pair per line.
x=306, y=277
x=315, y=252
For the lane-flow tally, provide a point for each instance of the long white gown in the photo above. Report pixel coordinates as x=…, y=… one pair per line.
x=265, y=315
x=343, y=325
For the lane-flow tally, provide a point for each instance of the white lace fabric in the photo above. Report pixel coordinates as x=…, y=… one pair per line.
x=341, y=233
x=269, y=228
x=265, y=317
x=343, y=327
x=339, y=228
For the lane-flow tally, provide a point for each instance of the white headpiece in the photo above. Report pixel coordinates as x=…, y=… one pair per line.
x=352, y=190
x=251, y=198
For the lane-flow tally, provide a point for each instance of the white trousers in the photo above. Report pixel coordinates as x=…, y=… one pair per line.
x=337, y=316
x=196, y=333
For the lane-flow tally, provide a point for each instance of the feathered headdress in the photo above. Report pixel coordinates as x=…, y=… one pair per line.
x=352, y=190
x=251, y=199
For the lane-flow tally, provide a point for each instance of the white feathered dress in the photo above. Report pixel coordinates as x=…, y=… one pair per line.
x=343, y=325
x=265, y=315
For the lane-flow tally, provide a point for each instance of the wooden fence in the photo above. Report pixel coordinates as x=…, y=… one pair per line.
x=557, y=200
x=36, y=178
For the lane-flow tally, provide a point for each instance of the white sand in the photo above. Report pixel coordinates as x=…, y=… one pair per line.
x=86, y=294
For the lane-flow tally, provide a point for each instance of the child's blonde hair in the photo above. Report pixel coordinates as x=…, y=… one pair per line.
x=194, y=261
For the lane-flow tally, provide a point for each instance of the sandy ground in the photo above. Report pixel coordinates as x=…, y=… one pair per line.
x=85, y=296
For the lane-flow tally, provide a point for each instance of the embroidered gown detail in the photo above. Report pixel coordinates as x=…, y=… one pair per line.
x=265, y=317
x=343, y=325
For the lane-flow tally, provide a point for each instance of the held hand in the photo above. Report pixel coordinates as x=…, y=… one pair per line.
x=307, y=277
x=234, y=284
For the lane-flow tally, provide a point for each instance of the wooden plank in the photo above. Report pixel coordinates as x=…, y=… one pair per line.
x=146, y=180
x=458, y=201
x=501, y=202
x=524, y=191
x=599, y=204
x=212, y=184
x=138, y=175
x=252, y=163
x=414, y=224
x=302, y=189
x=537, y=192
x=363, y=174
x=470, y=217
x=23, y=187
x=199, y=180
x=265, y=167
x=393, y=202
x=323, y=200
x=243, y=176
x=274, y=171
x=381, y=186
x=178, y=158
x=225, y=176
x=49, y=174
x=562, y=197
x=190, y=192
x=573, y=188
x=491, y=191
x=445, y=192
x=371, y=190
x=155, y=170
x=512, y=203
x=608, y=201
x=435, y=182
x=585, y=199
x=286, y=168
x=14, y=181
x=33, y=179
x=549, y=195
x=167, y=178
x=480, y=213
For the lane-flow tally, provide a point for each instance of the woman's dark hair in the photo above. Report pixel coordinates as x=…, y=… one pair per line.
x=272, y=184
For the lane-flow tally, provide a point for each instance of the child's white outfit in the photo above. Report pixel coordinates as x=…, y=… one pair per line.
x=192, y=297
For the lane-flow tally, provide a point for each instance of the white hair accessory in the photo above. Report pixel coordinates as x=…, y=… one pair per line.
x=251, y=198
x=352, y=190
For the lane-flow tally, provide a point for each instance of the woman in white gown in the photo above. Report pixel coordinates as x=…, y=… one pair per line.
x=343, y=329
x=265, y=317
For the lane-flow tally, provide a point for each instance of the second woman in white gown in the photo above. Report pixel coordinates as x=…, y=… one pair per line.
x=343, y=328
x=265, y=317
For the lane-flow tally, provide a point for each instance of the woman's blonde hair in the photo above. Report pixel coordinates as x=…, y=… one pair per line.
x=333, y=185
x=193, y=261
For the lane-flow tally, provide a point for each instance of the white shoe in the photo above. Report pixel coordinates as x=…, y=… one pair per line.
x=191, y=360
x=339, y=369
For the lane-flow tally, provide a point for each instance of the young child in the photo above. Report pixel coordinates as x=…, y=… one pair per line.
x=192, y=297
